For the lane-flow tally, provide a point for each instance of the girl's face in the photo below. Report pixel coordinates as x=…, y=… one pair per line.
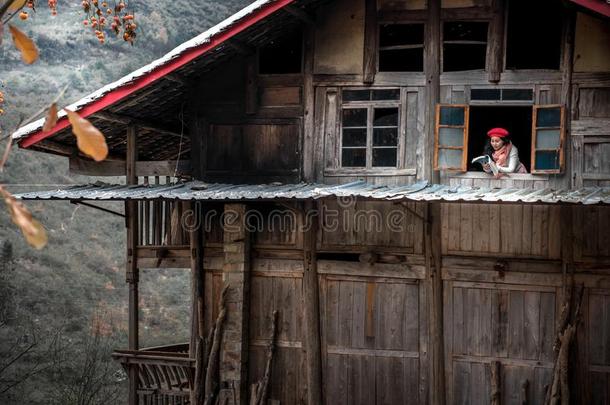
x=496, y=142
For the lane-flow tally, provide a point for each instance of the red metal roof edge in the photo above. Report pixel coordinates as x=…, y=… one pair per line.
x=599, y=6
x=190, y=54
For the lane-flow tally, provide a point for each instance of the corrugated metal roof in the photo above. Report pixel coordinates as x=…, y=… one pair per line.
x=422, y=191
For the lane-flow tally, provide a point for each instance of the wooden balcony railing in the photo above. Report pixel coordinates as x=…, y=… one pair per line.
x=165, y=373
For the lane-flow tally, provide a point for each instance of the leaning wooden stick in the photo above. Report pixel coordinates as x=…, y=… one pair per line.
x=260, y=390
x=211, y=376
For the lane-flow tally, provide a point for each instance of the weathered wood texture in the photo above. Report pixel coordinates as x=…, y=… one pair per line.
x=485, y=323
x=359, y=226
x=372, y=340
x=279, y=286
x=236, y=276
x=592, y=234
x=502, y=230
x=253, y=152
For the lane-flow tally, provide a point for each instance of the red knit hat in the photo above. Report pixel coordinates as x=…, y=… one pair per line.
x=499, y=132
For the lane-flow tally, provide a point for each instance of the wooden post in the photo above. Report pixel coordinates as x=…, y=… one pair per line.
x=196, y=349
x=432, y=68
x=567, y=65
x=435, y=288
x=495, y=53
x=309, y=137
x=370, y=41
x=132, y=274
x=311, y=309
x=236, y=275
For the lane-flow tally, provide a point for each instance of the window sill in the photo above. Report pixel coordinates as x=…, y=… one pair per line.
x=344, y=172
x=507, y=176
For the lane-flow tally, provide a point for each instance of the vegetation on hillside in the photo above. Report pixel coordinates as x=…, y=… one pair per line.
x=63, y=308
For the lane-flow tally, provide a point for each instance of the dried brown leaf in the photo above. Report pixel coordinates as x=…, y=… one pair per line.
x=32, y=230
x=16, y=5
x=29, y=52
x=89, y=139
x=51, y=118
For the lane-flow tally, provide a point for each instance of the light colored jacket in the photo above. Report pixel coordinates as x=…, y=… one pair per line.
x=513, y=162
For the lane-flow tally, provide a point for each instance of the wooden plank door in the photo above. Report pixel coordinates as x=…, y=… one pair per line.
x=371, y=340
x=512, y=324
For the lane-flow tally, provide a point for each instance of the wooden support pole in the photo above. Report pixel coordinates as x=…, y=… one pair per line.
x=309, y=137
x=495, y=53
x=196, y=349
x=132, y=276
x=432, y=69
x=435, y=288
x=311, y=309
x=370, y=41
x=567, y=64
x=236, y=277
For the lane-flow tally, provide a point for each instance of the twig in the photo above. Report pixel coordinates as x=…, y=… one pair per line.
x=211, y=375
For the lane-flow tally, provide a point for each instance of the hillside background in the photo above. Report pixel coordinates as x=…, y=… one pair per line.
x=63, y=309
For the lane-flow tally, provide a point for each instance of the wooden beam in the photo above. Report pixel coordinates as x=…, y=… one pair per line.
x=311, y=309
x=174, y=168
x=370, y=41
x=567, y=64
x=132, y=276
x=172, y=77
x=432, y=69
x=435, y=294
x=143, y=124
x=309, y=138
x=236, y=277
x=240, y=47
x=196, y=347
x=56, y=147
x=495, y=53
x=251, y=85
x=300, y=14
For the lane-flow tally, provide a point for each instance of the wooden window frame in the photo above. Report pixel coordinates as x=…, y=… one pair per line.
x=562, y=131
x=465, y=129
x=370, y=106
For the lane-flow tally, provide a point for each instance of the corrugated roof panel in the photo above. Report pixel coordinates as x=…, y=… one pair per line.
x=422, y=191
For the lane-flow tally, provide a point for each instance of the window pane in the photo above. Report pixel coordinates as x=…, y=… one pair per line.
x=517, y=94
x=465, y=31
x=354, y=117
x=548, y=139
x=449, y=158
x=354, y=137
x=401, y=34
x=387, y=94
x=450, y=137
x=549, y=117
x=384, y=157
x=452, y=116
x=356, y=95
x=385, y=137
x=385, y=117
x=547, y=160
x=353, y=157
x=458, y=57
x=485, y=94
x=401, y=60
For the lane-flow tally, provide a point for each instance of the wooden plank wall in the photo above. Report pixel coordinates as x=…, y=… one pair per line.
x=358, y=226
x=516, y=230
x=487, y=322
x=373, y=336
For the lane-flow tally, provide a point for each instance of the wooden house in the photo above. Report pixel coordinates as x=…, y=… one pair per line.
x=404, y=274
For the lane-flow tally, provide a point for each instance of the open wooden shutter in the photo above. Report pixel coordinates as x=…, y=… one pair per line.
x=451, y=137
x=548, y=139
